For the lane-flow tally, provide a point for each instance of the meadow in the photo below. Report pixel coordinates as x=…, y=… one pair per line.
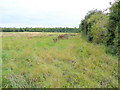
x=56, y=60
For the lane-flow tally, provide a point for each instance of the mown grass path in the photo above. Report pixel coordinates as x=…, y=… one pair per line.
x=37, y=61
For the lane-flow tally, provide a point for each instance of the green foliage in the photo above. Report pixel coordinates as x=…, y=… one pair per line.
x=101, y=28
x=114, y=26
x=99, y=24
x=94, y=26
x=39, y=29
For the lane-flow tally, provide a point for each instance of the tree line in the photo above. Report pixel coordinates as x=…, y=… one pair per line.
x=27, y=29
x=103, y=28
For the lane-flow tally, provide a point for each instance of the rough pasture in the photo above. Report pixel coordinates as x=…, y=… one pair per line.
x=33, y=60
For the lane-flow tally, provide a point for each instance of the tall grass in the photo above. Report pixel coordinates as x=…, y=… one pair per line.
x=68, y=63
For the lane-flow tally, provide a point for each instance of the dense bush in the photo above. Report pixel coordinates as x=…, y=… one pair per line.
x=99, y=27
x=114, y=27
x=39, y=29
x=94, y=26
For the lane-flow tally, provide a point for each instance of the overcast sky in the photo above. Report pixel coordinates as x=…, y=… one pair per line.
x=47, y=13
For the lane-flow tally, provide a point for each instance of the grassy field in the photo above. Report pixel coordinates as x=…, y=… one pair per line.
x=35, y=60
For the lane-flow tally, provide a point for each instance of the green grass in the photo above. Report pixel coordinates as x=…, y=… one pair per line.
x=69, y=63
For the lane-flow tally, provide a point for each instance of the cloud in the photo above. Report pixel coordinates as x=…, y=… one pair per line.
x=52, y=13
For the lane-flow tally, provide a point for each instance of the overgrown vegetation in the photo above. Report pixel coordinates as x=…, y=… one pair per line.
x=36, y=61
x=44, y=58
x=103, y=28
x=95, y=26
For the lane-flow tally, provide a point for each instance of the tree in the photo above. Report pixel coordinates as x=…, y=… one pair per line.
x=114, y=26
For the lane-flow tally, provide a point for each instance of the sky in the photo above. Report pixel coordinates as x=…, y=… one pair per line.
x=47, y=13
